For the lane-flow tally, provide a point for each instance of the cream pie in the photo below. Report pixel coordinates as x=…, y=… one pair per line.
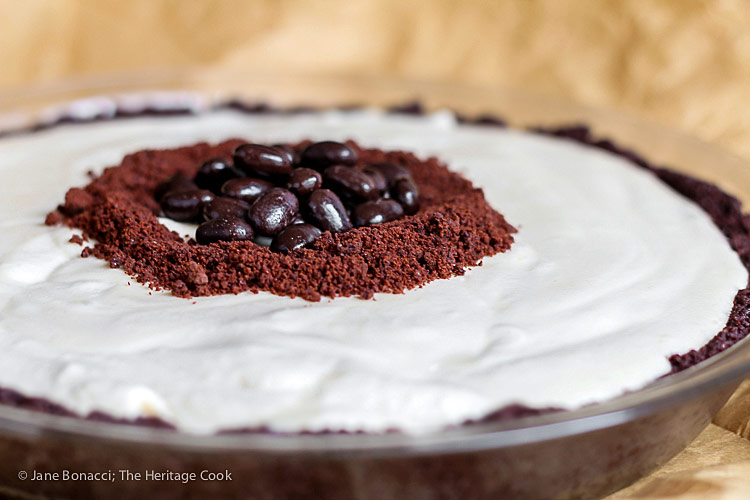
x=598, y=275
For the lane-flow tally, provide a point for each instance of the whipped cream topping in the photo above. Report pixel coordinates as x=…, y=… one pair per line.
x=611, y=273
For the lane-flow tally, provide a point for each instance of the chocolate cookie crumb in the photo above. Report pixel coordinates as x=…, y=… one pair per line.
x=76, y=201
x=454, y=228
x=54, y=218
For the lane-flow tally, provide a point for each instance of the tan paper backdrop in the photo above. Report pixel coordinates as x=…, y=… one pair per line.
x=682, y=62
x=685, y=63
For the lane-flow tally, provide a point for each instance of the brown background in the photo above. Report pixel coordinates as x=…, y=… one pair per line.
x=685, y=63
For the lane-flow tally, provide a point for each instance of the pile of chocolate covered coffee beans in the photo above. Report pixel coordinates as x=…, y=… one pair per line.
x=289, y=195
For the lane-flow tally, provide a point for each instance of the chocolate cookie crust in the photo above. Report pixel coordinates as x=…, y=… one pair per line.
x=454, y=229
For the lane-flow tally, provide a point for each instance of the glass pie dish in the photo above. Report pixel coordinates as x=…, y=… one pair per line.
x=583, y=453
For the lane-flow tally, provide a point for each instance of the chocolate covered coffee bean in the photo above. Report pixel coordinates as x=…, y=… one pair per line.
x=327, y=212
x=294, y=236
x=223, y=229
x=303, y=181
x=246, y=189
x=185, y=206
x=392, y=172
x=273, y=211
x=376, y=212
x=213, y=173
x=378, y=179
x=222, y=207
x=256, y=159
x=406, y=193
x=350, y=182
x=321, y=155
